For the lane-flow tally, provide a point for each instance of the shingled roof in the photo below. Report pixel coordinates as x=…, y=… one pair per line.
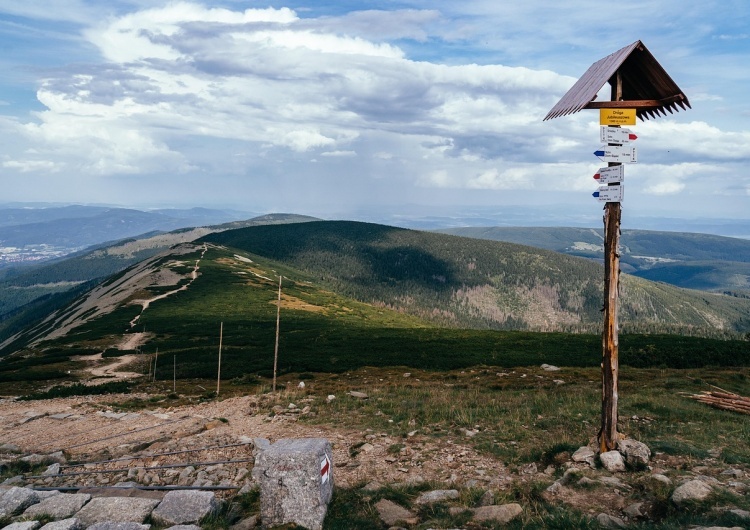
x=646, y=86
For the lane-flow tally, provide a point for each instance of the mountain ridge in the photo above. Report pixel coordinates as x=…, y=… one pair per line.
x=356, y=294
x=690, y=260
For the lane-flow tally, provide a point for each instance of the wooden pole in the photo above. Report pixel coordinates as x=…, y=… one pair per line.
x=218, y=376
x=276, y=348
x=610, y=339
x=156, y=358
x=174, y=373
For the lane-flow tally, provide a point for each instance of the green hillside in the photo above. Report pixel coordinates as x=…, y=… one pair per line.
x=321, y=330
x=469, y=283
x=24, y=288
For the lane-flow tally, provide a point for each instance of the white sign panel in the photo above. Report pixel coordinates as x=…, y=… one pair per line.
x=610, y=193
x=625, y=154
x=616, y=135
x=605, y=175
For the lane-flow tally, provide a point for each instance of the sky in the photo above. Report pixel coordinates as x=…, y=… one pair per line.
x=331, y=108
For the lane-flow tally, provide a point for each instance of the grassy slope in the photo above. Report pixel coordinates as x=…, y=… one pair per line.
x=23, y=289
x=322, y=331
x=464, y=282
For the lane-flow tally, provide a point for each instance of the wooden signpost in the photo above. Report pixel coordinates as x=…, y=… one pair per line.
x=639, y=88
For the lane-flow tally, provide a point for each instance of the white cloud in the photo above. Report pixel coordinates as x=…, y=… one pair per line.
x=146, y=34
x=305, y=140
x=665, y=187
x=339, y=154
x=269, y=77
x=369, y=95
x=698, y=138
x=26, y=166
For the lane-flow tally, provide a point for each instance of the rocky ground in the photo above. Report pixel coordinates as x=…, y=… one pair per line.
x=80, y=444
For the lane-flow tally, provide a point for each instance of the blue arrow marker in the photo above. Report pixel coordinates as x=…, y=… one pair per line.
x=598, y=153
x=595, y=194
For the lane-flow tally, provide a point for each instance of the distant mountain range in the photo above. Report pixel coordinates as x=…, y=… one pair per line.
x=56, y=231
x=689, y=260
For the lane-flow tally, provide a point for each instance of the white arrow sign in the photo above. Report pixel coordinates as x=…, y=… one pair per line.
x=605, y=175
x=624, y=154
x=610, y=193
x=616, y=135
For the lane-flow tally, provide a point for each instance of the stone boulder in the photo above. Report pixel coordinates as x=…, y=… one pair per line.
x=637, y=454
x=609, y=521
x=64, y=524
x=430, y=497
x=52, y=469
x=612, y=461
x=58, y=506
x=637, y=510
x=503, y=513
x=584, y=454
x=15, y=500
x=391, y=513
x=692, y=490
x=184, y=507
x=116, y=510
x=23, y=525
x=658, y=477
x=296, y=482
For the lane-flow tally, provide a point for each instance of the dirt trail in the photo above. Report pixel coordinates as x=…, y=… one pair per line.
x=103, y=370
x=193, y=276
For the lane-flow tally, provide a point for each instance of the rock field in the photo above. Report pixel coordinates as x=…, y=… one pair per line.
x=93, y=464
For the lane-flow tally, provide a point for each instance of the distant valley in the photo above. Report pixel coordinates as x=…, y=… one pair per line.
x=33, y=235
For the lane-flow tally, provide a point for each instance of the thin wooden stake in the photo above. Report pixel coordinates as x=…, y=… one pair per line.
x=156, y=358
x=276, y=348
x=218, y=376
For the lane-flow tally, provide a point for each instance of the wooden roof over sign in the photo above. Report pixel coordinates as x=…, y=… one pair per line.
x=646, y=86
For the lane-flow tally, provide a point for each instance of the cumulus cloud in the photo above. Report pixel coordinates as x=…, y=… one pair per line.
x=699, y=139
x=270, y=77
x=665, y=187
x=183, y=87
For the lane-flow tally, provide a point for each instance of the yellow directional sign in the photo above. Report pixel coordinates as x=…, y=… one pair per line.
x=616, y=116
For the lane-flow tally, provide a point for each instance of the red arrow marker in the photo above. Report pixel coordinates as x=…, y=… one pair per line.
x=597, y=176
x=632, y=136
